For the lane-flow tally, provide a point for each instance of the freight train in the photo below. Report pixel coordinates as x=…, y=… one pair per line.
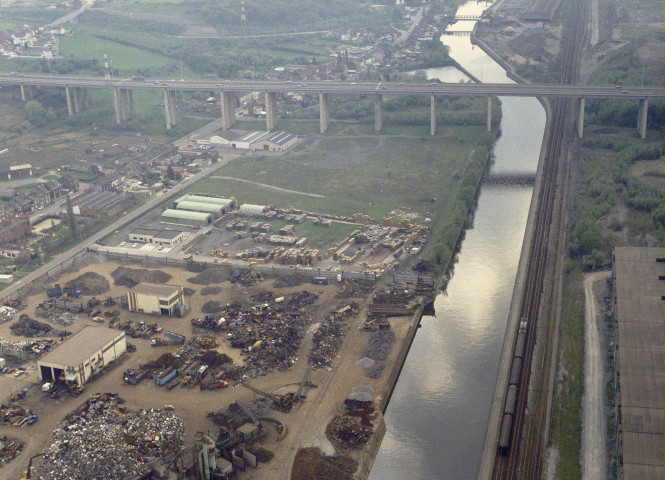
x=513, y=388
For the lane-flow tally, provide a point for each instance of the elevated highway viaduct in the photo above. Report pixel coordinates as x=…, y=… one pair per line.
x=76, y=94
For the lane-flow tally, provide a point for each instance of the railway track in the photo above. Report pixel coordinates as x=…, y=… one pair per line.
x=521, y=440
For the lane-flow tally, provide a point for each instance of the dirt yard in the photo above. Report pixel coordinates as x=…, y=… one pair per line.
x=306, y=424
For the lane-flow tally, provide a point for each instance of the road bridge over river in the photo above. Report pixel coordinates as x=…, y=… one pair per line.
x=76, y=94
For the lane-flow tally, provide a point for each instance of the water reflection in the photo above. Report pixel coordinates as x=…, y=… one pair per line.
x=438, y=413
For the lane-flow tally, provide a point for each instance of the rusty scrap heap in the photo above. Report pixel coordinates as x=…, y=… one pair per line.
x=328, y=338
x=104, y=440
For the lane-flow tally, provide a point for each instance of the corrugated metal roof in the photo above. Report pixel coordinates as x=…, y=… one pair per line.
x=226, y=202
x=640, y=317
x=81, y=346
x=186, y=215
x=200, y=207
x=251, y=209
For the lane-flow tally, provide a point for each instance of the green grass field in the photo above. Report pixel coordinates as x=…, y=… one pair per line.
x=123, y=57
x=405, y=172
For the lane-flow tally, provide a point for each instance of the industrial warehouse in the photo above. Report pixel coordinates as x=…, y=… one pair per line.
x=156, y=299
x=83, y=355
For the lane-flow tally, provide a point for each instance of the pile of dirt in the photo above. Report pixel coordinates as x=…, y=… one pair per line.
x=195, y=267
x=130, y=277
x=310, y=464
x=210, y=275
x=289, y=281
x=90, y=283
x=212, y=306
x=211, y=291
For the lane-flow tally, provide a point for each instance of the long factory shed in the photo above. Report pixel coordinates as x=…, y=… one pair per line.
x=227, y=203
x=185, y=217
x=211, y=208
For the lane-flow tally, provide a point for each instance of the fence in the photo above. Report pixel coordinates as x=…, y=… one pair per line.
x=275, y=270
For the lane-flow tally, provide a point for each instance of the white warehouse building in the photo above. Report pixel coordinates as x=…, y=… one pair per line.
x=84, y=354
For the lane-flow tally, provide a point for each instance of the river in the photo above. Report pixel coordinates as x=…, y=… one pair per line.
x=437, y=416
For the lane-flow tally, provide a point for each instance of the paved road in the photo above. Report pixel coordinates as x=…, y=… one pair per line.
x=357, y=88
x=63, y=257
x=594, y=460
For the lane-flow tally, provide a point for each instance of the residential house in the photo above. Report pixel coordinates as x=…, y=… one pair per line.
x=69, y=182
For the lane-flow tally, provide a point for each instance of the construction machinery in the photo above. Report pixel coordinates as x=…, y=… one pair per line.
x=26, y=475
x=284, y=402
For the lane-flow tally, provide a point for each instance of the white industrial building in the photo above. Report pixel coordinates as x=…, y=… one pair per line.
x=256, y=140
x=155, y=299
x=84, y=354
x=164, y=238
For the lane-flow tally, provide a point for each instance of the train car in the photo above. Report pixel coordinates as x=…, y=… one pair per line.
x=511, y=400
x=505, y=435
x=515, y=371
x=519, y=345
x=524, y=323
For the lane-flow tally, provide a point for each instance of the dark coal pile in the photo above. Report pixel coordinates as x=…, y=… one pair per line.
x=262, y=297
x=376, y=370
x=130, y=277
x=212, y=306
x=311, y=464
x=90, y=283
x=246, y=278
x=105, y=440
x=378, y=346
x=211, y=291
x=188, y=291
x=210, y=275
x=195, y=267
x=289, y=281
x=27, y=327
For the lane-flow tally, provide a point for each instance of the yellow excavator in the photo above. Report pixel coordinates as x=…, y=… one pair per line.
x=26, y=475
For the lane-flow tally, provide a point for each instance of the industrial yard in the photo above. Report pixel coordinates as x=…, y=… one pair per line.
x=309, y=347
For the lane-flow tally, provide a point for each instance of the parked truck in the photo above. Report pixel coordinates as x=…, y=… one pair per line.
x=71, y=292
x=54, y=292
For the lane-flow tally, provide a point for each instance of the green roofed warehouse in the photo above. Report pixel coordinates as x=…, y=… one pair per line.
x=185, y=217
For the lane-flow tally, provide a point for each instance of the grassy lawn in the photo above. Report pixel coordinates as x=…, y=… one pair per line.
x=123, y=57
x=404, y=173
x=567, y=404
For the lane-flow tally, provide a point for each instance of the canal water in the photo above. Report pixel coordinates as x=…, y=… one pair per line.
x=437, y=416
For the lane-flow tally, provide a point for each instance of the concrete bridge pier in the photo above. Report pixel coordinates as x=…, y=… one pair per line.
x=642, y=109
x=76, y=100
x=116, y=104
x=22, y=92
x=489, y=114
x=271, y=110
x=131, y=103
x=378, y=112
x=68, y=96
x=324, y=113
x=580, y=120
x=432, y=114
x=167, y=110
x=227, y=109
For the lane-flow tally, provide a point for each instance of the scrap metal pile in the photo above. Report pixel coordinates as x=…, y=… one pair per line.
x=27, y=327
x=105, y=440
x=34, y=347
x=349, y=431
x=270, y=333
x=10, y=449
x=16, y=416
x=328, y=338
x=6, y=313
x=398, y=301
x=246, y=278
x=355, y=288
